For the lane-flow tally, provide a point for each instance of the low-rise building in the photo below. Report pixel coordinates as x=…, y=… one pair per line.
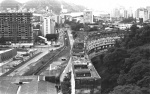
x=86, y=78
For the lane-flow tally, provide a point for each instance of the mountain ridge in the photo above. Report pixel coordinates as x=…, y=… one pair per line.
x=53, y=5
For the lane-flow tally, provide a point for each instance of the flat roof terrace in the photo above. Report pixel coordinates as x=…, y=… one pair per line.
x=79, y=60
x=90, y=69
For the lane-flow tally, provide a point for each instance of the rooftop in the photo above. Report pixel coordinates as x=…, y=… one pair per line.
x=90, y=68
x=33, y=87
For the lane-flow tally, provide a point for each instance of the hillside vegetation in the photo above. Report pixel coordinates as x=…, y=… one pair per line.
x=40, y=5
x=125, y=68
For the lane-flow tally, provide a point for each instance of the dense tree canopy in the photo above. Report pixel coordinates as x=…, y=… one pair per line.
x=2, y=40
x=75, y=26
x=52, y=37
x=128, y=20
x=125, y=68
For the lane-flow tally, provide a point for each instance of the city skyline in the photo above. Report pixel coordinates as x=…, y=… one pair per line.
x=108, y=5
x=105, y=5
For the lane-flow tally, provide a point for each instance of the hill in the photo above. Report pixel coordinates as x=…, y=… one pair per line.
x=39, y=5
x=54, y=5
x=9, y=4
x=72, y=7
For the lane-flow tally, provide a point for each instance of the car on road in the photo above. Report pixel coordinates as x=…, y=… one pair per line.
x=63, y=58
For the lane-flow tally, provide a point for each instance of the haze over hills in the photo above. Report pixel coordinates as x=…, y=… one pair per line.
x=54, y=5
x=9, y=4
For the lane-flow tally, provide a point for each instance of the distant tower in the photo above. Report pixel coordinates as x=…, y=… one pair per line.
x=148, y=9
x=62, y=7
x=47, y=8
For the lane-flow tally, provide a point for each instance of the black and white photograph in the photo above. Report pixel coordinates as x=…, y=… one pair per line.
x=74, y=46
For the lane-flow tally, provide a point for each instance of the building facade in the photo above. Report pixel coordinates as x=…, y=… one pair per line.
x=48, y=25
x=85, y=79
x=142, y=13
x=148, y=9
x=88, y=16
x=16, y=27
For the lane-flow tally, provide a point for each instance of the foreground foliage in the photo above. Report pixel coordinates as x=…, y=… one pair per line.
x=125, y=68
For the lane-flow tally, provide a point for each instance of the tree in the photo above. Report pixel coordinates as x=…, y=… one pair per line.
x=51, y=37
x=2, y=40
x=66, y=85
x=127, y=63
x=128, y=89
x=145, y=82
x=128, y=20
x=115, y=59
x=74, y=33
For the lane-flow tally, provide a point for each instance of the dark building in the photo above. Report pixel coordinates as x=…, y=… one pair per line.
x=87, y=80
x=16, y=27
x=78, y=49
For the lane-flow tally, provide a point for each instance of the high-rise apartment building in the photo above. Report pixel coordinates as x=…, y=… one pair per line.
x=130, y=12
x=142, y=13
x=115, y=13
x=121, y=12
x=16, y=27
x=48, y=25
x=148, y=9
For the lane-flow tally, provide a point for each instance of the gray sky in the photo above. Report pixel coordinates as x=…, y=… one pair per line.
x=107, y=5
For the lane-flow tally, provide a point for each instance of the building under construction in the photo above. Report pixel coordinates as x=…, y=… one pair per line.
x=16, y=27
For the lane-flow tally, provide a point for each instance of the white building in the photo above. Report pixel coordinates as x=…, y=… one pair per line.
x=48, y=25
x=148, y=9
x=88, y=16
x=142, y=13
x=130, y=12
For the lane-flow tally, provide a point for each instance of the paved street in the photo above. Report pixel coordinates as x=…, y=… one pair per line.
x=69, y=65
x=66, y=70
x=21, y=70
x=40, y=48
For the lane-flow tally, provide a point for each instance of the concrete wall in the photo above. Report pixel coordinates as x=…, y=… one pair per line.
x=7, y=54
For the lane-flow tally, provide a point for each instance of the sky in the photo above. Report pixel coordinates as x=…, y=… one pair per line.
x=107, y=5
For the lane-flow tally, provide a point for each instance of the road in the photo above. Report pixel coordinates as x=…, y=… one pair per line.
x=66, y=70
x=69, y=65
x=21, y=70
x=41, y=48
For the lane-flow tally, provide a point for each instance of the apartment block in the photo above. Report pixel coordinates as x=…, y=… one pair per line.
x=142, y=13
x=48, y=25
x=16, y=27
